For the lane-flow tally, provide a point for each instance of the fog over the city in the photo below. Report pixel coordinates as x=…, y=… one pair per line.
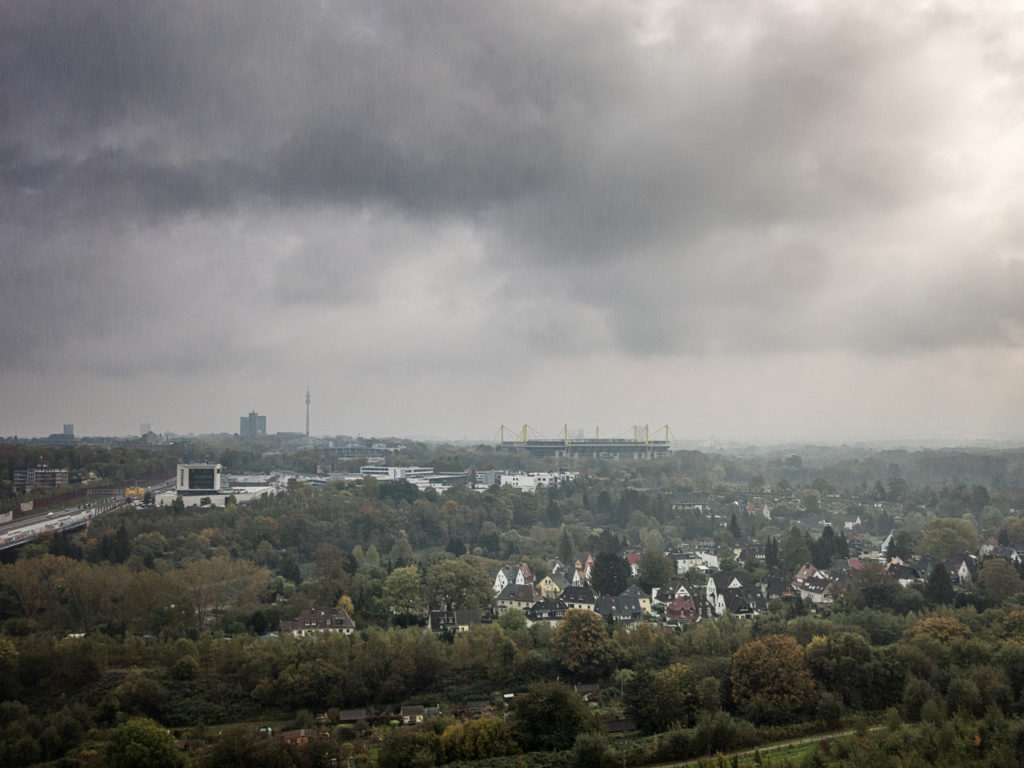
x=763, y=221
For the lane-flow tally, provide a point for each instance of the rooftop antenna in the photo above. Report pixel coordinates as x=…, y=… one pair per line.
x=307, y=410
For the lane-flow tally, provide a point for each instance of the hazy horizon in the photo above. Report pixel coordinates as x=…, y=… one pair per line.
x=771, y=222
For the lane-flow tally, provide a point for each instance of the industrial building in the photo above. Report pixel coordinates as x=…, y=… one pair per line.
x=523, y=481
x=640, y=446
x=421, y=477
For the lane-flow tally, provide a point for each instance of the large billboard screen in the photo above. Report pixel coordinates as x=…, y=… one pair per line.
x=200, y=478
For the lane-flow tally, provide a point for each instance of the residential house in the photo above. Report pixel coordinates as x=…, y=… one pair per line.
x=843, y=571
x=527, y=573
x=817, y=588
x=557, y=566
x=633, y=558
x=884, y=546
x=734, y=592
x=751, y=553
x=625, y=610
x=1007, y=553
x=963, y=568
x=583, y=565
x=757, y=506
x=299, y=738
x=520, y=596
x=806, y=571
x=903, y=573
x=351, y=716
x=551, y=611
x=550, y=587
x=511, y=574
x=477, y=708
x=777, y=584
x=685, y=560
x=588, y=691
x=579, y=597
x=747, y=604
x=666, y=594
x=641, y=597
x=709, y=558
x=692, y=501
x=412, y=715
x=315, y=621
x=682, y=608
x=453, y=622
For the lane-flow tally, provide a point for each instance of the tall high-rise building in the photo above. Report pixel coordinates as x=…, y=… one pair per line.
x=252, y=425
x=307, y=410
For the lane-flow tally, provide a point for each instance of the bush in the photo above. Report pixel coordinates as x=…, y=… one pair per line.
x=829, y=709
x=185, y=668
x=675, y=744
x=589, y=751
x=714, y=733
x=413, y=747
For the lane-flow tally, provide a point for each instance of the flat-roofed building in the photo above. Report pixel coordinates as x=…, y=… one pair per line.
x=39, y=477
x=198, y=478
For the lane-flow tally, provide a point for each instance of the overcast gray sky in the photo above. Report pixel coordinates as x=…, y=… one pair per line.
x=757, y=220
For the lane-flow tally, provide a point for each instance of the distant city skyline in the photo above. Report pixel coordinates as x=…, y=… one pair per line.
x=761, y=222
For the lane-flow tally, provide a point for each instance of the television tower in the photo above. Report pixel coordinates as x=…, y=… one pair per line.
x=307, y=410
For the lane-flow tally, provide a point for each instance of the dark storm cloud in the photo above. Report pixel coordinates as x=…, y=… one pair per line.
x=744, y=180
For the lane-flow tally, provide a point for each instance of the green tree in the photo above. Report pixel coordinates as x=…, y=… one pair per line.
x=1013, y=527
x=998, y=580
x=873, y=588
x=939, y=589
x=794, y=550
x=771, y=672
x=566, y=547
x=901, y=545
x=842, y=663
x=610, y=573
x=30, y=586
x=457, y=583
x=655, y=569
x=946, y=536
x=403, y=590
x=661, y=699
x=478, y=739
x=945, y=629
x=143, y=743
x=549, y=716
x=771, y=552
x=581, y=643
x=812, y=501
x=219, y=582
x=416, y=747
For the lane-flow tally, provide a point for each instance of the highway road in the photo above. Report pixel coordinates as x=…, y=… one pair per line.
x=21, y=531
